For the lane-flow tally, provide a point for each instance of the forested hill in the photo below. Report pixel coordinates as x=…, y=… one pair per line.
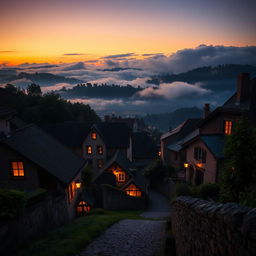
x=207, y=74
x=100, y=91
x=172, y=119
x=46, y=109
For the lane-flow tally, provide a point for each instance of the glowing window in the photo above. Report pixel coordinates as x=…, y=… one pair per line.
x=100, y=150
x=71, y=191
x=132, y=190
x=93, y=135
x=89, y=150
x=99, y=163
x=83, y=208
x=17, y=169
x=120, y=176
x=228, y=127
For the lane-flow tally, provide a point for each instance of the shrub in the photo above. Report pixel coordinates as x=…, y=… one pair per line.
x=210, y=190
x=12, y=203
x=194, y=190
x=182, y=189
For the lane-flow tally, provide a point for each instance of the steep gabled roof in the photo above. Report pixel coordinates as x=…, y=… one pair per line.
x=143, y=146
x=183, y=129
x=70, y=134
x=215, y=143
x=46, y=152
x=120, y=159
x=115, y=135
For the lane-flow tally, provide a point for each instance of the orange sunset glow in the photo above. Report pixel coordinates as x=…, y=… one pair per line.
x=44, y=31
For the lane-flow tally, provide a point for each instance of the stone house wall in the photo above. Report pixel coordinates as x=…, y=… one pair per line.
x=205, y=228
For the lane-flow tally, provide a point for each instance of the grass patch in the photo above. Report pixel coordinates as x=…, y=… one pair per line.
x=74, y=236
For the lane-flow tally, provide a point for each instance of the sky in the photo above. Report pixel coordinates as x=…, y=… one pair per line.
x=64, y=31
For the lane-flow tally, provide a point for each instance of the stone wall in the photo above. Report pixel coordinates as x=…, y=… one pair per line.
x=38, y=218
x=204, y=228
x=114, y=199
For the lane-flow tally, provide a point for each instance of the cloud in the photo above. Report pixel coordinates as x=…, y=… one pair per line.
x=3, y=52
x=172, y=91
x=73, y=54
x=76, y=66
x=150, y=54
x=119, y=56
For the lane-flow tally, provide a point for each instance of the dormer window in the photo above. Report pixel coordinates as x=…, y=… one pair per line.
x=89, y=150
x=120, y=176
x=93, y=135
x=17, y=169
x=227, y=127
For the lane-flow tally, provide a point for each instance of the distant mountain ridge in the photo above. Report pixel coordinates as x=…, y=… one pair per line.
x=43, y=79
x=205, y=74
x=165, y=121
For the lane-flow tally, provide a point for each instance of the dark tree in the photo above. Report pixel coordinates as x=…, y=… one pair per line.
x=34, y=90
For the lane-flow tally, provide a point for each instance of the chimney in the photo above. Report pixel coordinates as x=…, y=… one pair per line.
x=243, y=87
x=206, y=110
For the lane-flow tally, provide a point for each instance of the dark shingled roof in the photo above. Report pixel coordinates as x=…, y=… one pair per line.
x=4, y=112
x=45, y=151
x=143, y=146
x=70, y=134
x=120, y=159
x=215, y=143
x=115, y=135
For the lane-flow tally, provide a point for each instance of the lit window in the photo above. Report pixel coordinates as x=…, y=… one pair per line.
x=100, y=150
x=82, y=208
x=71, y=191
x=94, y=135
x=120, y=176
x=99, y=163
x=17, y=169
x=228, y=127
x=132, y=190
x=89, y=150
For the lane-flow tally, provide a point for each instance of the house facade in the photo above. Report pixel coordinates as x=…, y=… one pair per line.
x=31, y=159
x=204, y=152
x=104, y=140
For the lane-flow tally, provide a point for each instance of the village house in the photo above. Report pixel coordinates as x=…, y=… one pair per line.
x=204, y=152
x=200, y=153
x=172, y=152
x=123, y=174
x=31, y=159
x=104, y=140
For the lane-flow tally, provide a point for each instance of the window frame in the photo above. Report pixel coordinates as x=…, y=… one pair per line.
x=137, y=191
x=11, y=170
x=200, y=154
x=87, y=150
x=99, y=161
x=228, y=127
x=98, y=150
x=93, y=137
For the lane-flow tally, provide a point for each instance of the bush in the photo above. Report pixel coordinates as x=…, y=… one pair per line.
x=182, y=189
x=12, y=203
x=195, y=190
x=209, y=190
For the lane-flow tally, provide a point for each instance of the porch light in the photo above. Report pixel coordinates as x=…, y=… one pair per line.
x=186, y=165
x=78, y=184
x=200, y=165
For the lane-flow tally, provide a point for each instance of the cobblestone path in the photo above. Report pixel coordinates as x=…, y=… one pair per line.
x=129, y=238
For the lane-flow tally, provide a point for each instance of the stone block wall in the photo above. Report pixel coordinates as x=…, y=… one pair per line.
x=37, y=219
x=114, y=199
x=204, y=228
